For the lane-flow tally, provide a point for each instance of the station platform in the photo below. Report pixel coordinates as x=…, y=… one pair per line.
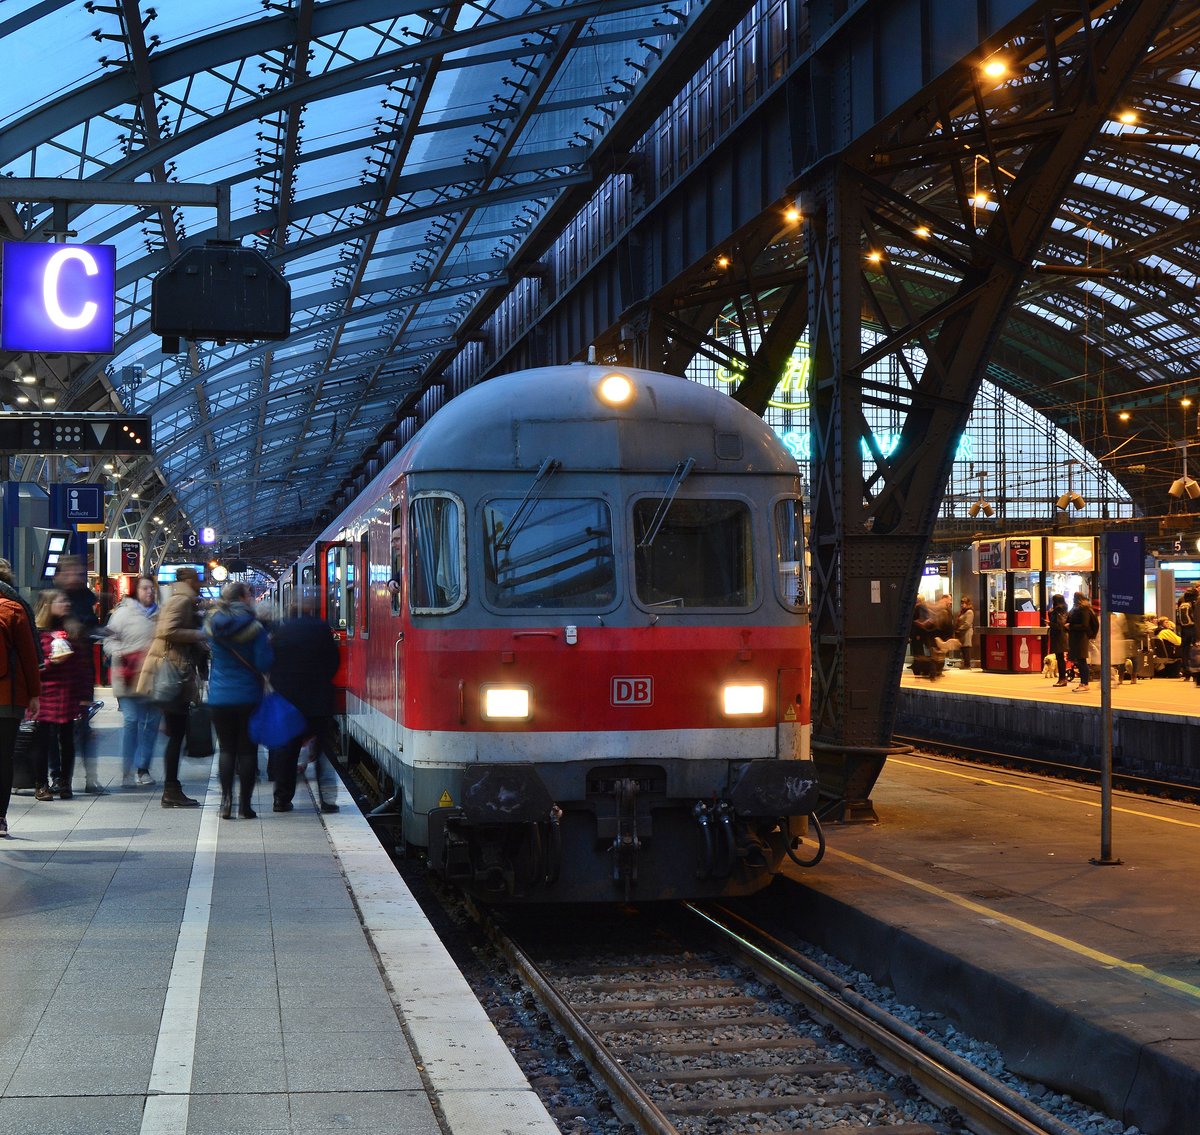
x=165, y=971
x=1028, y=715
x=974, y=896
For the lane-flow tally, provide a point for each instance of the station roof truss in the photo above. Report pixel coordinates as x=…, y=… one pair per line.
x=389, y=156
x=404, y=163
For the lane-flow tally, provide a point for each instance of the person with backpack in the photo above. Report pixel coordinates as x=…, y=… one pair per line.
x=1185, y=625
x=1082, y=626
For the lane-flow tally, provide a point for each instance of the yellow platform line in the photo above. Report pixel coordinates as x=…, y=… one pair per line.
x=1091, y=803
x=1099, y=956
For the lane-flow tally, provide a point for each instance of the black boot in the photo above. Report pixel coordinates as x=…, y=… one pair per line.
x=226, y=805
x=244, y=809
x=173, y=796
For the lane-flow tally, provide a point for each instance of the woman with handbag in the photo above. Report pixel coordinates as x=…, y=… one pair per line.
x=20, y=686
x=66, y=692
x=130, y=633
x=241, y=656
x=168, y=676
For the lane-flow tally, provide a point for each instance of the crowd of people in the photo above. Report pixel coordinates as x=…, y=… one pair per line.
x=1073, y=650
x=166, y=659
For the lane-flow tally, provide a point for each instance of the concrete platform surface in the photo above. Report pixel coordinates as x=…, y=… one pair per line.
x=976, y=896
x=165, y=971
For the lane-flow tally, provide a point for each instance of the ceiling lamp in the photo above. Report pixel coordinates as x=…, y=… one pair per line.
x=1071, y=498
x=980, y=505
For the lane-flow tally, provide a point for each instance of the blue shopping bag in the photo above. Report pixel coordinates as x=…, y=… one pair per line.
x=275, y=721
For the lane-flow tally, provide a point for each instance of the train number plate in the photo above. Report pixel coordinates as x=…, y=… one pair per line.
x=632, y=691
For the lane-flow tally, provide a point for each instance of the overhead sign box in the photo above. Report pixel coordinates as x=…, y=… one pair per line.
x=1023, y=553
x=220, y=291
x=1070, y=553
x=119, y=434
x=58, y=297
x=989, y=555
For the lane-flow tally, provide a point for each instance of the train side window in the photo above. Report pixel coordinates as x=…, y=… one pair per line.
x=308, y=581
x=339, y=589
x=436, y=554
x=397, y=554
x=700, y=555
x=365, y=576
x=555, y=553
x=790, y=570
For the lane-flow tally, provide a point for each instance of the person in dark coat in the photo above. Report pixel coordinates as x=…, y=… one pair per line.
x=20, y=686
x=1082, y=627
x=306, y=659
x=1057, y=635
x=70, y=577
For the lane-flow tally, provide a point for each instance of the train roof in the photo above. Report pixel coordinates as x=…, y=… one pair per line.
x=517, y=421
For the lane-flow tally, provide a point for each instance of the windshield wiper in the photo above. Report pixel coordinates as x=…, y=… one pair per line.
x=677, y=478
x=525, y=509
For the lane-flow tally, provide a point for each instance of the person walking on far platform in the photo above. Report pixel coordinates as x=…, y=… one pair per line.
x=130, y=633
x=241, y=657
x=1082, y=627
x=20, y=686
x=306, y=659
x=178, y=642
x=1057, y=635
x=964, y=629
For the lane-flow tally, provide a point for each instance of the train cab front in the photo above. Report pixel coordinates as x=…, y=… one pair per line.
x=614, y=831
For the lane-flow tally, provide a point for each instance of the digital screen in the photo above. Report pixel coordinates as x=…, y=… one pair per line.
x=57, y=546
x=58, y=297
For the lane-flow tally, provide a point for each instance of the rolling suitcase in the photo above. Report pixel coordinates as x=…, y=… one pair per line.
x=23, y=758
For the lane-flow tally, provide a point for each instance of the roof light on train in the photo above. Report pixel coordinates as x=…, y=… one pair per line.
x=615, y=389
x=505, y=703
x=745, y=699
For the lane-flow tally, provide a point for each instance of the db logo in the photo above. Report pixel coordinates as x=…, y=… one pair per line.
x=632, y=691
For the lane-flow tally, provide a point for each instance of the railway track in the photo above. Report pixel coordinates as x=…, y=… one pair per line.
x=697, y=1022
x=1062, y=770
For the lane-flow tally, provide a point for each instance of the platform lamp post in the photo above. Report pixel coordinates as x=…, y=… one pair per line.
x=1105, y=858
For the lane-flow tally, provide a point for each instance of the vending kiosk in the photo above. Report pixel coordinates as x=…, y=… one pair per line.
x=1013, y=636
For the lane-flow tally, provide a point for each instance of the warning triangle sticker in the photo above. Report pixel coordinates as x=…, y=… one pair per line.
x=789, y=714
x=445, y=800
x=100, y=429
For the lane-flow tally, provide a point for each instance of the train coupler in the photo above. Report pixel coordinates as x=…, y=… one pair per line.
x=626, y=845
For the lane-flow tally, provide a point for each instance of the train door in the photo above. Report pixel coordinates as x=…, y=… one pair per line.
x=336, y=572
x=396, y=588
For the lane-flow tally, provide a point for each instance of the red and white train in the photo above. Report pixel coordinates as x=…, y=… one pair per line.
x=576, y=645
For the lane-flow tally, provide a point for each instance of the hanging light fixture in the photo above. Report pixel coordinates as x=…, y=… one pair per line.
x=1185, y=485
x=1071, y=498
x=980, y=505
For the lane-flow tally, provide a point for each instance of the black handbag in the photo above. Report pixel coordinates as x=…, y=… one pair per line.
x=169, y=685
x=198, y=740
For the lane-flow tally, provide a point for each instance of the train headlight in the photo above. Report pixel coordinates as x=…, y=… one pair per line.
x=505, y=703
x=615, y=389
x=745, y=699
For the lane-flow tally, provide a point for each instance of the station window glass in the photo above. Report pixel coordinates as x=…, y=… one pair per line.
x=435, y=554
x=789, y=554
x=549, y=554
x=698, y=554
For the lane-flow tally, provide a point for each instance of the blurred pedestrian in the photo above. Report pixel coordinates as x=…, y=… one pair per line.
x=241, y=657
x=70, y=577
x=306, y=660
x=130, y=632
x=65, y=694
x=20, y=686
x=178, y=642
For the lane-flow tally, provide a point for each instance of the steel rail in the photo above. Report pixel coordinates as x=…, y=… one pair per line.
x=988, y=1106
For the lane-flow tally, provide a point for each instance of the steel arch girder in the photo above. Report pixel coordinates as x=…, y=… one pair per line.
x=868, y=548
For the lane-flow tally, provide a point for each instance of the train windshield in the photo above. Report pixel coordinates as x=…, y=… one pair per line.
x=701, y=555
x=561, y=555
x=435, y=554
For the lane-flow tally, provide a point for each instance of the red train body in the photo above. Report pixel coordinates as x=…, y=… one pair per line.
x=576, y=640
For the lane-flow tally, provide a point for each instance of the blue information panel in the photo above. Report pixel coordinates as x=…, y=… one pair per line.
x=1126, y=570
x=58, y=297
x=80, y=504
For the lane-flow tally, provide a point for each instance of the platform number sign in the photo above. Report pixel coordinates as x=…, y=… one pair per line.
x=58, y=297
